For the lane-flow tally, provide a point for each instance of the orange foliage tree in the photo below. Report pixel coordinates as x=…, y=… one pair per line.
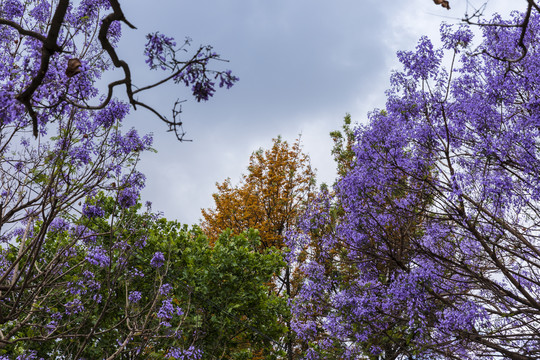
x=270, y=198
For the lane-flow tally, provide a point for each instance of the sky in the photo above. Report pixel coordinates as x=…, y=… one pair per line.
x=302, y=64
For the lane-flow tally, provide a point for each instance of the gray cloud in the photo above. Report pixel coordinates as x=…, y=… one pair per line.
x=302, y=65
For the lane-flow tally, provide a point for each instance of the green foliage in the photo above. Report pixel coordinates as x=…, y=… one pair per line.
x=225, y=285
x=343, y=142
x=222, y=302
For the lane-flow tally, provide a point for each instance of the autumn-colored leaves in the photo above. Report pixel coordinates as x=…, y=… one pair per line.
x=269, y=197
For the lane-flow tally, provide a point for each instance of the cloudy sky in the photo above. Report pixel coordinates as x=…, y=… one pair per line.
x=303, y=64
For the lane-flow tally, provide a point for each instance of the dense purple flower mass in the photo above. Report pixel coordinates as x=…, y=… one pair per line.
x=134, y=297
x=98, y=256
x=111, y=114
x=165, y=289
x=59, y=224
x=92, y=211
x=428, y=247
x=166, y=310
x=128, y=197
x=190, y=353
x=203, y=90
x=13, y=8
x=157, y=260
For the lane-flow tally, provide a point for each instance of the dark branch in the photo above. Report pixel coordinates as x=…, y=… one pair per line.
x=23, y=31
x=47, y=50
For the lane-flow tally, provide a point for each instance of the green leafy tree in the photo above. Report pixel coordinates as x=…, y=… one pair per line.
x=149, y=288
x=343, y=143
x=232, y=312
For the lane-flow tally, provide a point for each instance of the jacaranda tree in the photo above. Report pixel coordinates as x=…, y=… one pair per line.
x=63, y=156
x=439, y=212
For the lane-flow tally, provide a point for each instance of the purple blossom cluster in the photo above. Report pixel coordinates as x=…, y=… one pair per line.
x=74, y=307
x=167, y=311
x=12, y=8
x=132, y=185
x=131, y=142
x=59, y=224
x=134, y=297
x=157, y=260
x=98, y=256
x=160, y=53
x=128, y=197
x=165, y=289
x=456, y=39
x=116, y=111
x=27, y=355
x=191, y=353
x=92, y=211
x=157, y=50
x=195, y=74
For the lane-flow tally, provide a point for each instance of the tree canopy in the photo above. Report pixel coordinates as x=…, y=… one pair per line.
x=269, y=198
x=439, y=212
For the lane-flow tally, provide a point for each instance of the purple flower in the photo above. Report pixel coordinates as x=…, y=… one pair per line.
x=115, y=32
x=28, y=355
x=92, y=211
x=59, y=224
x=134, y=297
x=74, y=307
x=128, y=197
x=156, y=50
x=454, y=39
x=203, y=90
x=80, y=155
x=12, y=9
x=227, y=79
x=25, y=142
x=165, y=289
x=41, y=11
x=157, y=260
x=165, y=313
x=191, y=353
x=424, y=62
x=115, y=111
x=88, y=274
x=98, y=257
x=130, y=142
x=51, y=326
